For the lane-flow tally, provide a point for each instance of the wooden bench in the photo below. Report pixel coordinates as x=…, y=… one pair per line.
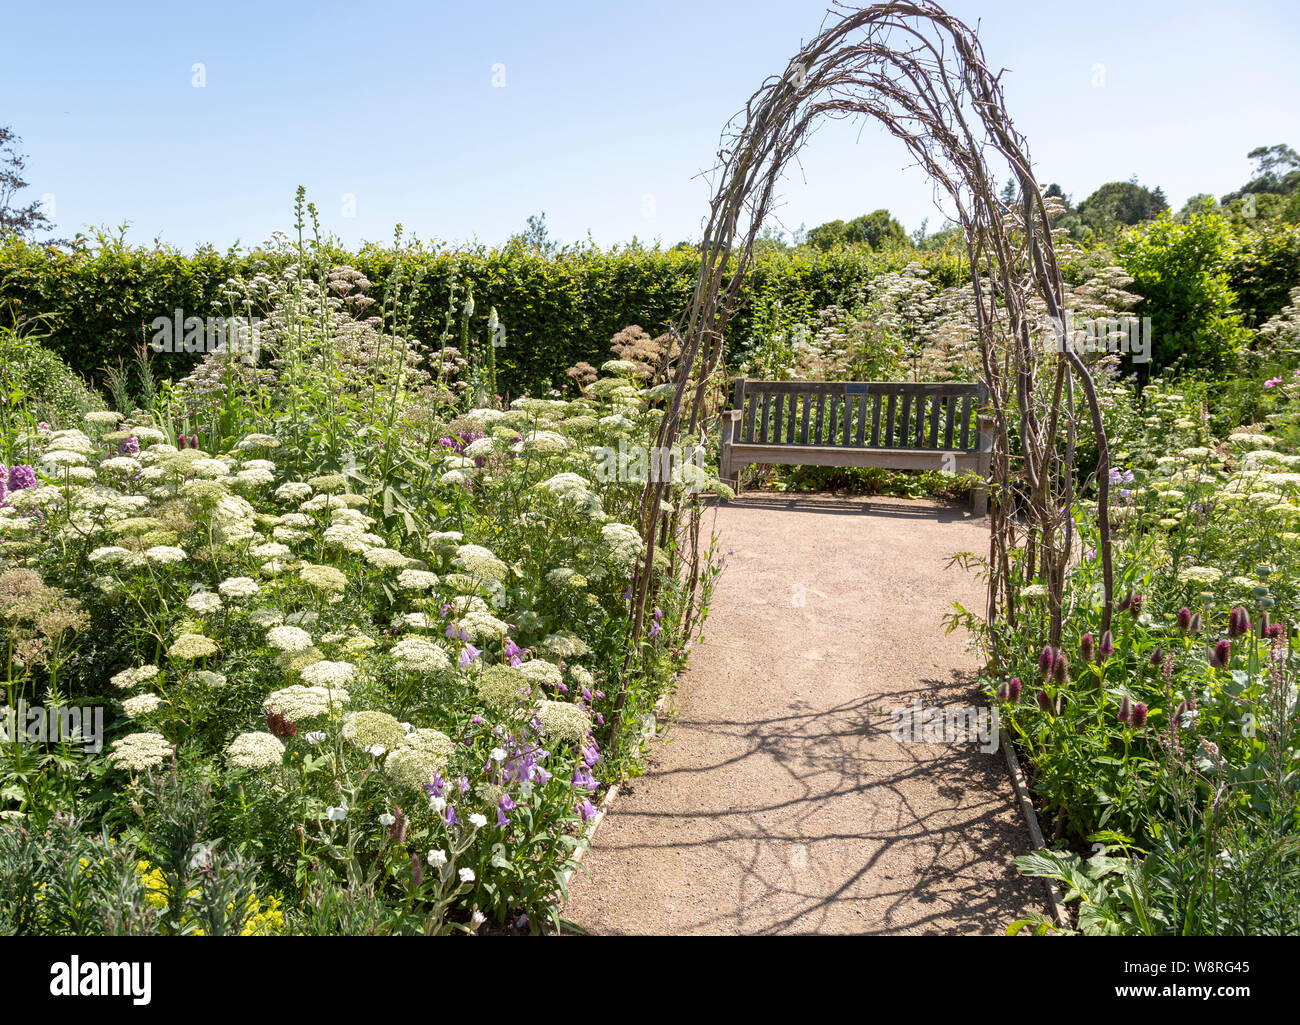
x=888, y=425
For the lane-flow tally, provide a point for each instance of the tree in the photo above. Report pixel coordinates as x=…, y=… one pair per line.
x=1272, y=189
x=1121, y=204
x=535, y=237
x=1181, y=271
x=877, y=230
x=24, y=221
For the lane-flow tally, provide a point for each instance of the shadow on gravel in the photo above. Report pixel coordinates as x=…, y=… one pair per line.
x=906, y=863
x=851, y=506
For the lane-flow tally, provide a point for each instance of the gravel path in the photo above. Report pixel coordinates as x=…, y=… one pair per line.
x=780, y=802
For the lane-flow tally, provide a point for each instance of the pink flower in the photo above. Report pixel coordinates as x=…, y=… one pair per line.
x=1272, y=381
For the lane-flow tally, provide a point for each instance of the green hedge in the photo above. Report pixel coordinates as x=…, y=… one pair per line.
x=97, y=303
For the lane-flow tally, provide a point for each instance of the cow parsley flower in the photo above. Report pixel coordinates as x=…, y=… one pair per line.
x=140, y=751
x=192, y=646
x=133, y=677
x=238, y=587
x=324, y=578
x=165, y=555
x=203, y=602
x=141, y=704
x=501, y=686
x=416, y=580
x=255, y=751
x=480, y=562
x=563, y=721
x=329, y=674
x=291, y=639
x=541, y=671
x=365, y=729
x=109, y=553
x=419, y=655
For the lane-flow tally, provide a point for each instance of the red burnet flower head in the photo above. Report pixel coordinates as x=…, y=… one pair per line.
x=1046, y=662
x=1238, y=622
x=1107, y=646
x=279, y=726
x=1184, y=619
x=1061, y=667
x=1157, y=656
x=1139, y=716
x=1222, y=654
x=1013, y=688
x=1125, y=712
x=1087, y=648
x=1044, y=701
x=1195, y=628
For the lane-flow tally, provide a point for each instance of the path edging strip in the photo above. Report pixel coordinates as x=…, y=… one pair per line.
x=662, y=709
x=1031, y=819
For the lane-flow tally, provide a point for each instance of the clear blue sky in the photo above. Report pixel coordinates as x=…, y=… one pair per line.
x=604, y=105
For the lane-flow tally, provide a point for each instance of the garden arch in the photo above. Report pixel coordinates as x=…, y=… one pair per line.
x=921, y=73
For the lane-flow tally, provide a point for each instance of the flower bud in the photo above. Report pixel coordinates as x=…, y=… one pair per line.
x=1125, y=709
x=1087, y=648
x=1107, y=646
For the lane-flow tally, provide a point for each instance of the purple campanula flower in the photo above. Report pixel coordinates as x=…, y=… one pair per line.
x=450, y=816
x=502, y=818
x=21, y=475
x=586, y=809
x=463, y=784
x=468, y=654
x=130, y=447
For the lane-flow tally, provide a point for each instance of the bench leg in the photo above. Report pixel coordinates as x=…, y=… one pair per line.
x=980, y=493
x=727, y=473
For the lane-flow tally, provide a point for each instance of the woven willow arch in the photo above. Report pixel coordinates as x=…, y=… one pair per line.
x=921, y=73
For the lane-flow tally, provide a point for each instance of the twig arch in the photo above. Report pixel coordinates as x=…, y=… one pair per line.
x=921, y=73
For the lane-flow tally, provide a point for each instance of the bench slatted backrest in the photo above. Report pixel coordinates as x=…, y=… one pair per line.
x=859, y=414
